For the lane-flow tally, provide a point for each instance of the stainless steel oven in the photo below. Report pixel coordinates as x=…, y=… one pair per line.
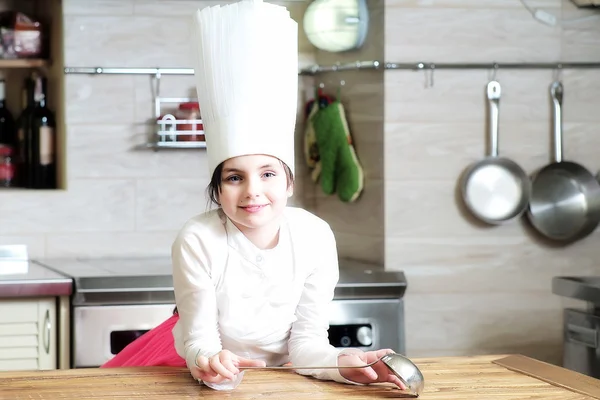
x=117, y=300
x=581, y=327
x=581, y=345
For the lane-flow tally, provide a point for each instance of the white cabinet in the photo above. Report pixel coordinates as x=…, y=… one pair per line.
x=28, y=334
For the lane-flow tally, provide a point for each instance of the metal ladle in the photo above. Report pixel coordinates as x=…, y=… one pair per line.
x=402, y=367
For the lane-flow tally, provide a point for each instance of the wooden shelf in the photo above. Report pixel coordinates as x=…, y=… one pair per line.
x=23, y=63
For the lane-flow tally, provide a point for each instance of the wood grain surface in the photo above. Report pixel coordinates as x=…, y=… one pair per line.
x=450, y=378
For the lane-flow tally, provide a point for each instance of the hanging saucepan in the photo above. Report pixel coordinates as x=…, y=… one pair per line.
x=565, y=200
x=495, y=189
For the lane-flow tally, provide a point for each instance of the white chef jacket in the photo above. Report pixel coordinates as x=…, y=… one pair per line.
x=270, y=305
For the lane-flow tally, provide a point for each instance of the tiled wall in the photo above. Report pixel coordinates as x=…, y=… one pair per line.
x=472, y=289
x=120, y=201
x=359, y=226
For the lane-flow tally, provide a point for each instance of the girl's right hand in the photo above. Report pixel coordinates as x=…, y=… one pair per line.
x=222, y=366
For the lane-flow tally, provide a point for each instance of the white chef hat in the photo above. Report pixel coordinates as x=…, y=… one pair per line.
x=246, y=69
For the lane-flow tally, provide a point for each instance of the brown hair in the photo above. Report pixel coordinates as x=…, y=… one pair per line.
x=214, y=187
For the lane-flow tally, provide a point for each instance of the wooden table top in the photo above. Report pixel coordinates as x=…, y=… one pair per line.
x=449, y=378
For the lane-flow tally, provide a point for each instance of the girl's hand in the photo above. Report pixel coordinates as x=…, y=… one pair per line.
x=378, y=372
x=222, y=366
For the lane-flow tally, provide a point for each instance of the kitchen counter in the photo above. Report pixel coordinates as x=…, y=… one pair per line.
x=450, y=378
x=25, y=278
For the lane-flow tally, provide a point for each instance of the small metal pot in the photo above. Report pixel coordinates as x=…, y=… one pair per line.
x=565, y=200
x=495, y=189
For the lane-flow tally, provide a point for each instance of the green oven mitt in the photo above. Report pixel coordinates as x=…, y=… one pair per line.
x=341, y=171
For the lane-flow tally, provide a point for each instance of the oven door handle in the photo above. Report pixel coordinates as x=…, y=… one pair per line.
x=47, y=332
x=581, y=335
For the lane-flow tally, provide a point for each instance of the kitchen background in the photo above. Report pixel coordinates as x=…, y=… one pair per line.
x=471, y=289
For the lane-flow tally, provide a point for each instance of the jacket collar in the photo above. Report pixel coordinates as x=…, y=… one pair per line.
x=248, y=250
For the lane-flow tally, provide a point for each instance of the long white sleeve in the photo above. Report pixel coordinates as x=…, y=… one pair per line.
x=195, y=298
x=309, y=344
x=194, y=284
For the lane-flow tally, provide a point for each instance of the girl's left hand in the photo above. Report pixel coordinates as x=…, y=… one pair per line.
x=378, y=372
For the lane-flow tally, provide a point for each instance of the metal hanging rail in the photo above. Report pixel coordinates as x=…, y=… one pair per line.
x=358, y=65
x=494, y=65
x=129, y=71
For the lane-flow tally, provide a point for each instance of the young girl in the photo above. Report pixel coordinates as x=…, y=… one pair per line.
x=253, y=279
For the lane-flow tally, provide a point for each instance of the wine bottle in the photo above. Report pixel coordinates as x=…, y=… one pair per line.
x=43, y=140
x=23, y=153
x=7, y=122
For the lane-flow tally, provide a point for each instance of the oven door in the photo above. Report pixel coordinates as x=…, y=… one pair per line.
x=100, y=332
x=581, y=342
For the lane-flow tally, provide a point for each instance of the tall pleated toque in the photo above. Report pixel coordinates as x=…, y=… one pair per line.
x=245, y=59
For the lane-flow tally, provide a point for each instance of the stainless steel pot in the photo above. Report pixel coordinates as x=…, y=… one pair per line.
x=495, y=189
x=565, y=200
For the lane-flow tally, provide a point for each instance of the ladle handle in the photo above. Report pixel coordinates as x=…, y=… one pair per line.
x=294, y=367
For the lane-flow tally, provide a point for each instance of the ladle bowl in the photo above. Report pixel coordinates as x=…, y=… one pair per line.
x=400, y=366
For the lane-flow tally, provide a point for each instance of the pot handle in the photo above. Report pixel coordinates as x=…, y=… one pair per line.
x=493, y=95
x=556, y=91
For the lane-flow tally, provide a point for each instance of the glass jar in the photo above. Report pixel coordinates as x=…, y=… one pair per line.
x=190, y=112
x=7, y=167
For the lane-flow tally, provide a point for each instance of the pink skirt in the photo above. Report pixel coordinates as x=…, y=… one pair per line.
x=154, y=348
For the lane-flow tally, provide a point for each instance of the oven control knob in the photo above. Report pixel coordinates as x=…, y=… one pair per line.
x=345, y=341
x=364, y=335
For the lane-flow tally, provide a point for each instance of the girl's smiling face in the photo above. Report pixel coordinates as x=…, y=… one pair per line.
x=254, y=191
